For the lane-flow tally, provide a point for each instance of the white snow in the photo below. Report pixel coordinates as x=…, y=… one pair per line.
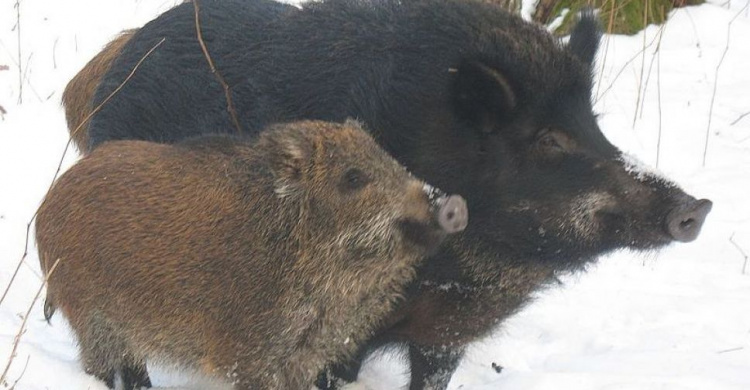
x=528, y=7
x=678, y=319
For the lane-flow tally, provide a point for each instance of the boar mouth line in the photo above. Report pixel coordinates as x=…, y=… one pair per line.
x=427, y=235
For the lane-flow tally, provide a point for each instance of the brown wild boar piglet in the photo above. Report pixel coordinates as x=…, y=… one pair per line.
x=258, y=261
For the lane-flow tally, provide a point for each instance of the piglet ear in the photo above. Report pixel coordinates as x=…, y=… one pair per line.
x=351, y=122
x=584, y=39
x=291, y=152
x=482, y=95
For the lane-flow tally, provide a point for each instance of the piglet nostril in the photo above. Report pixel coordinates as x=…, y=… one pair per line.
x=452, y=214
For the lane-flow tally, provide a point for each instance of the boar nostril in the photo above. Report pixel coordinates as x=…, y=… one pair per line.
x=684, y=222
x=687, y=224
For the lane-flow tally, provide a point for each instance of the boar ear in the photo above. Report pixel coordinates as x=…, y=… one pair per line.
x=482, y=95
x=584, y=39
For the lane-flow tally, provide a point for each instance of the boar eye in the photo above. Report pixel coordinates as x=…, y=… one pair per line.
x=549, y=141
x=354, y=179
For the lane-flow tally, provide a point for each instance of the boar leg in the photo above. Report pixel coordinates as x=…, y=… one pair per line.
x=340, y=374
x=106, y=356
x=135, y=376
x=433, y=366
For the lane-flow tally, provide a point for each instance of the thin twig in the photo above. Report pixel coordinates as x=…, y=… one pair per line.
x=716, y=82
x=54, y=52
x=20, y=68
x=119, y=87
x=744, y=265
x=20, y=262
x=658, y=85
x=62, y=158
x=643, y=65
x=26, y=78
x=695, y=32
x=22, y=330
x=23, y=372
x=730, y=350
x=739, y=119
x=606, y=49
x=227, y=92
x=651, y=66
x=622, y=69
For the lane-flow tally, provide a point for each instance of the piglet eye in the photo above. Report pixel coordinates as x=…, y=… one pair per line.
x=354, y=179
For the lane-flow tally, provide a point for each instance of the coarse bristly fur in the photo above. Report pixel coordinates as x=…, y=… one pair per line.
x=188, y=254
x=471, y=98
x=79, y=93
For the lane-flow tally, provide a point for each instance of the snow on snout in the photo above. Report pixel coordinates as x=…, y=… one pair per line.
x=642, y=171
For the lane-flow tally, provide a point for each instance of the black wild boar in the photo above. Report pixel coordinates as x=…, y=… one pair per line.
x=257, y=262
x=471, y=98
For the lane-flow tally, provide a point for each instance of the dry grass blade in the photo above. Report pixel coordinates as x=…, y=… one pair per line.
x=22, y=330
x=227, y=92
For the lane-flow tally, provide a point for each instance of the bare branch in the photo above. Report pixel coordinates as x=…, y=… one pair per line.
x=744, y=265
x=716, y=81
x=54, y=53
x=20, y=262
x=643, y=64
x=119, y=87
x=730, y=350
x=23, y=372
x=622, y=69
x=22, y=329
x=658, y=85
x=62, y=158
x=739, y=119
x=18, y=35
x=606, y=50
x=227, y=92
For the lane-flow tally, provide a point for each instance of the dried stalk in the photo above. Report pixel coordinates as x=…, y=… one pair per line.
x=227, y=92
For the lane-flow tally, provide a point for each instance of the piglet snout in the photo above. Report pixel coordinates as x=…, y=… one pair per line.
x=451, y=213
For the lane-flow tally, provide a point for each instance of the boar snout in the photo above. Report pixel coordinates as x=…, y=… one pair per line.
x=451, y=213
x=684, y=222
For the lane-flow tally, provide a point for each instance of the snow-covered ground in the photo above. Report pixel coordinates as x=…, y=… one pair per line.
x=677, y=319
